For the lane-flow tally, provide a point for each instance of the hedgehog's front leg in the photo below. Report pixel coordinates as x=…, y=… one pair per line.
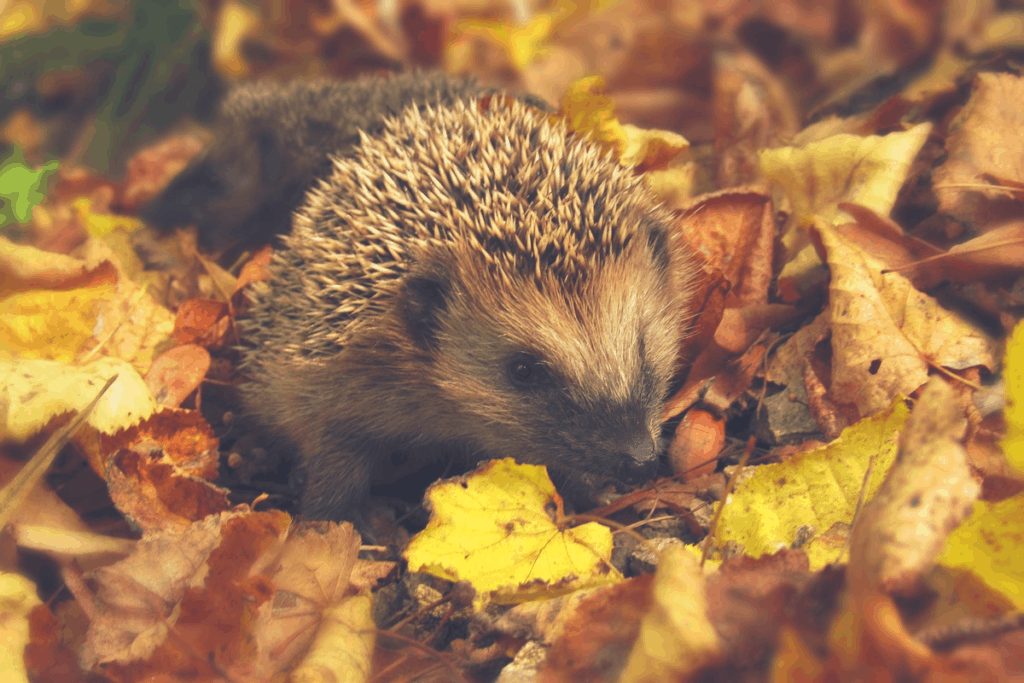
x=335, y=476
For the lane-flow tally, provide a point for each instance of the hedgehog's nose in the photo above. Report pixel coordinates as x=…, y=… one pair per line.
x=639, y=462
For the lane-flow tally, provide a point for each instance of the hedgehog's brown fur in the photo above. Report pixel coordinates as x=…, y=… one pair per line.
x=459, y=246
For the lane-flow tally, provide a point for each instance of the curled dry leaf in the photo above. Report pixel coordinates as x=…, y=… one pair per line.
x=886, y=334
x=984, y=141
x=676, y=637
x=927, y=493
x=194, y=580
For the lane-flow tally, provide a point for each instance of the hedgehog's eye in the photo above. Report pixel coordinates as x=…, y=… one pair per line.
x=524, y=370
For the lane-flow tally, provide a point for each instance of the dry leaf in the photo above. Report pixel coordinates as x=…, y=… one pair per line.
x=886, y=334
x=984, y=140
x=927, y=493
x=676, y=637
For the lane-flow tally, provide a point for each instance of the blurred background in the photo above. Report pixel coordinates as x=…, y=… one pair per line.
x=90, y=81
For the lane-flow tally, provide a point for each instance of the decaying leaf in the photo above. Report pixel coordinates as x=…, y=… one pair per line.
x=886, y=334
x=926, y=494
x=500, y=529
x=676, y=636
x=984, y=141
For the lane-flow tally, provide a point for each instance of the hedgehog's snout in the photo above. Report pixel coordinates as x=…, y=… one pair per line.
x=639, y=462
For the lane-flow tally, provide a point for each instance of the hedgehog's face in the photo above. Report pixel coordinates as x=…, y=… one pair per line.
x=570, y=377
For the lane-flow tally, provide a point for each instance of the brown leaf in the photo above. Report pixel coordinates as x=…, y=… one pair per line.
x=177, y=373
x=596, y=638
x=202, y=321
x=152, y=168
x=885, y=334
x=734, y=230
x=194, y=581
x=995, y=255
x=883, y=238
x=927, y=493
x=753, y=110
x=984, y=141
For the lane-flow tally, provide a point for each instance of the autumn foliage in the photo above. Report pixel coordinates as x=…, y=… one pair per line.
x=843, y=495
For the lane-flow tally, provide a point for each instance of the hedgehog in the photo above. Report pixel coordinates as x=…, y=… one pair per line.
x=471, y=280
x=272, y=141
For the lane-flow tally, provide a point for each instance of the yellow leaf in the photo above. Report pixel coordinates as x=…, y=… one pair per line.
x=100, y=224
x=17, y=599
x=654, y=149
x=1013, y=413
x=235, y=22
x=867, y=170
x=20, y=18
x=988, y=544
x=494, y=529
x=33, y=391
x=816, y=489
x=587, y=110
x=49, y=324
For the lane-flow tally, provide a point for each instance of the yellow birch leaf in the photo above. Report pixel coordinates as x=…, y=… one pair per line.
x=1013, y=413
x=495, y=529
x=988, y=544
x=101, y=224
x=33, y=391
x=17, y=600
x=651, y=148
x=818, y=489
x=53, y=325
x=587, y=110
x=867, y=170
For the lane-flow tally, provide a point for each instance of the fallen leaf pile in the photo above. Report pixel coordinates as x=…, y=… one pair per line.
x=845, y=432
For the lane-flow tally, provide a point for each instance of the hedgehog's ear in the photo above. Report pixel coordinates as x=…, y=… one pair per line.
x=426, y=298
